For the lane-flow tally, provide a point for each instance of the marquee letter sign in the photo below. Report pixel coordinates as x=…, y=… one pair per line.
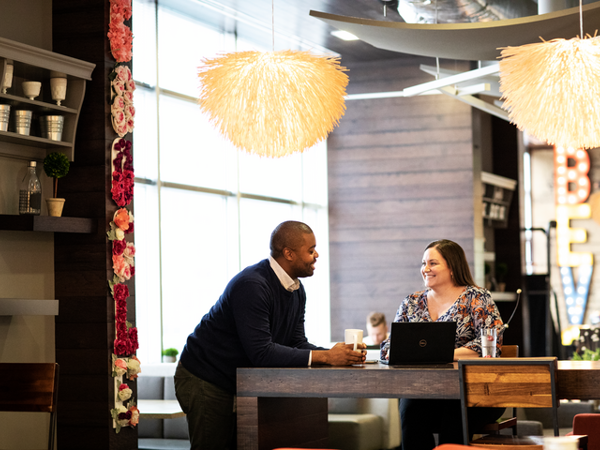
x=572, y=188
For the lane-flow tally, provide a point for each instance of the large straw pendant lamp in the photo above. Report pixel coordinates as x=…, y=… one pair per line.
x=552, y=90
x=273, y=103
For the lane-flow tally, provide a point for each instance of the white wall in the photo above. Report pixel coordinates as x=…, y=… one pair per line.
x=26, y=258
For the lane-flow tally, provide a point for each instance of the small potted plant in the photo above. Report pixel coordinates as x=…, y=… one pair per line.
x=501, y=271
x=170, y=354
x=56, y=165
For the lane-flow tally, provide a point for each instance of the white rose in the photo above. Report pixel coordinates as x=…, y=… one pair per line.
x=125, y=394
x=134, y=366
x=120, y=234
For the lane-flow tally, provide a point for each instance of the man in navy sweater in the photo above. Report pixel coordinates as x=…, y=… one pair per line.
x=257, y=322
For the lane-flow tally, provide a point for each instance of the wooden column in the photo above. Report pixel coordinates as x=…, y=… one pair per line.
x=85, y=328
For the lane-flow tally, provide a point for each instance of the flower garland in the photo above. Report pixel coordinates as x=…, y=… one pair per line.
x=124, y=416
x=119, y=34
x=121, y=102
x=124, y=362
x=122, y=172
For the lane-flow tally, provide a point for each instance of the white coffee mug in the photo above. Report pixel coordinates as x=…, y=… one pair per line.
x=31, y=89
x=353, y=336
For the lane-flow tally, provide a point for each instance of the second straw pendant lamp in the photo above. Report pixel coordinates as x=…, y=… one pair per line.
x=552, y=89
x=273, y=103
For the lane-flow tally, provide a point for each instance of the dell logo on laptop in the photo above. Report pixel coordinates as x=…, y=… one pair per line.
x=422, y=343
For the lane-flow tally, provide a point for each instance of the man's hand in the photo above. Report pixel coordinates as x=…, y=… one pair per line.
x=340, y=355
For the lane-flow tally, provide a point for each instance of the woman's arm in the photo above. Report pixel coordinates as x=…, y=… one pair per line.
x=464, y=353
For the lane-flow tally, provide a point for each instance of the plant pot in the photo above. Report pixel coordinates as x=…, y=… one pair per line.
x=169, y=359
x=55, y=206
x=501, y=287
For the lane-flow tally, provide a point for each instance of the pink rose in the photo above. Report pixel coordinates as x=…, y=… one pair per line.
x=130, y=85
x=127, y=98
x=118, y=87
x=119, y=123
x=120, y=367
x=129, y=253
x=123, y=73
x=129, y=112
x=118, y=103
x=122, y=130
x=121, y=268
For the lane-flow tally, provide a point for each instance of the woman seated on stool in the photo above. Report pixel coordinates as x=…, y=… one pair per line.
x=450, y=295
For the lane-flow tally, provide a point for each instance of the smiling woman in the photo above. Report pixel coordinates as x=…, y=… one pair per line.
x=204, y=211
x=450, y=296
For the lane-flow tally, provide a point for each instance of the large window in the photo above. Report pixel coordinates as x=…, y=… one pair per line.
x=203, y=209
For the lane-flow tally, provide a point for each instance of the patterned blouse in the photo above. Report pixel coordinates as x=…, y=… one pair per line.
x=471, y=311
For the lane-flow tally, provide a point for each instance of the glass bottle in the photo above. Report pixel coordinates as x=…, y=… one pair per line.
x=30, y=193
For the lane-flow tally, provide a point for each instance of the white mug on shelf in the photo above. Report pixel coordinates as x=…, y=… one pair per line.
x=58, y=88
x=31, y=89
x=353, y=336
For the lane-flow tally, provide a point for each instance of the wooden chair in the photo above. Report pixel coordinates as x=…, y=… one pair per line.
x=505, y=383
x=30, y=387
x=508, y=351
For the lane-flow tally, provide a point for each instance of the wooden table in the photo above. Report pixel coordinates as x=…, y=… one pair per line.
x=271, y=399
x=159, y=409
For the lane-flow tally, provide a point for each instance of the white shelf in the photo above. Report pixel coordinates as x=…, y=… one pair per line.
x=28, y=307
x=34, y=64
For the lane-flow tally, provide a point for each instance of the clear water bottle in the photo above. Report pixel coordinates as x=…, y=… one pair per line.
x=30, y=193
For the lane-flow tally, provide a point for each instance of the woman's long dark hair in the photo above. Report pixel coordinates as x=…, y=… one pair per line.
x=456, y=260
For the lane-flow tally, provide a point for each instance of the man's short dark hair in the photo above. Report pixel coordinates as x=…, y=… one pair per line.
x=288, y=234
x=376, y=319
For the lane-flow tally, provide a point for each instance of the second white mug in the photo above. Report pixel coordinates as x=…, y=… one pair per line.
x=353, y=336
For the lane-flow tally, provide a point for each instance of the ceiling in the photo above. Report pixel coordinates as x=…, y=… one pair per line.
x=292, y=17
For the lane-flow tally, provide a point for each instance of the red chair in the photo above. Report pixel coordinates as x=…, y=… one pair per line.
x=587, y=424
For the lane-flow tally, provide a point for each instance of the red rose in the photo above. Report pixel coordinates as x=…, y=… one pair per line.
x=120, y=291
x=121, y=347
x=119, y=247
x=133, y=339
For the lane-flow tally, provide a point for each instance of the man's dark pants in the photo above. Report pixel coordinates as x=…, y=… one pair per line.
x=210, y=412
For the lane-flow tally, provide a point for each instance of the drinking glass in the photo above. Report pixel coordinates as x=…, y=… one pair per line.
x=489, y=336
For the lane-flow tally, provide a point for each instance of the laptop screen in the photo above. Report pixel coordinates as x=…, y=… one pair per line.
x=422, y=343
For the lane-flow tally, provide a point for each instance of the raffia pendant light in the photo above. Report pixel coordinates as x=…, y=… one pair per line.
x=273, y=103
x=552, y=90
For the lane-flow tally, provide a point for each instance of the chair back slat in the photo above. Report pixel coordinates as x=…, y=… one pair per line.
x=27, y=387
x=510, y=351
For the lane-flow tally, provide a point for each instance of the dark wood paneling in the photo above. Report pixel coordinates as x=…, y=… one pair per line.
x=85, y=328
x=400, y=176
x=309, y=416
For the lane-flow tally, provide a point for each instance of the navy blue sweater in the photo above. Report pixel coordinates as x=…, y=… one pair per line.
x=255, y=322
